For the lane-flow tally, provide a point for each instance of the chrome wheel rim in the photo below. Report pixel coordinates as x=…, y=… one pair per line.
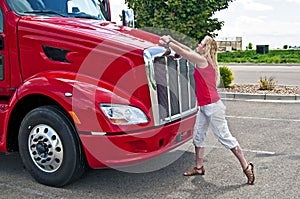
x=45, y=148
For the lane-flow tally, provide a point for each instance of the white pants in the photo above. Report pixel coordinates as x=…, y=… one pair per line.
x=214, y=115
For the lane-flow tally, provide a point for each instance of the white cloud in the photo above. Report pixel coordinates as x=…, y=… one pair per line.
x=246, y=20
x=255, y=6
x=261, y=25
x=273, y=22
x=116, y=9
x=294, y=1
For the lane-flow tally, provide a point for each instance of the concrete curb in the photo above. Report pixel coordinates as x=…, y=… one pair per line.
x=229, y=95
x=253, y=64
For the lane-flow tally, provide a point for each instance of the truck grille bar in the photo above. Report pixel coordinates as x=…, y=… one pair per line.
x=171, y=84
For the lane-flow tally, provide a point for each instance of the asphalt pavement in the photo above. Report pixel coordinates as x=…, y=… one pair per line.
x=267, y=132
x=283, y=74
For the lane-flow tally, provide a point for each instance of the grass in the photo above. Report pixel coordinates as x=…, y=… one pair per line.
x=250, y=56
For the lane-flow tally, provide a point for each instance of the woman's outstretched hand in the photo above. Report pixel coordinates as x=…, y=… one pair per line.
x=165, y=39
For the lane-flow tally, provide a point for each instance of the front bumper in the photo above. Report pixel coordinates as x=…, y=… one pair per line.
x=129, y=149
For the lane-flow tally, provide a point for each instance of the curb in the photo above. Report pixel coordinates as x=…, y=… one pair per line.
x=260, y=64
x=229, y=95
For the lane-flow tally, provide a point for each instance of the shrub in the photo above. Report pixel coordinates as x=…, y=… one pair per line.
x=250, y=56
x=226, y=76
x=250, y=46
x=267, y=84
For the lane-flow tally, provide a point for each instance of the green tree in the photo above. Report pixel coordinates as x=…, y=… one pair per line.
x=193, y=18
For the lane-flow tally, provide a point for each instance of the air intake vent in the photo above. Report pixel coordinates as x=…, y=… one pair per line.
x=1, y=68
x=175, y=86
x=56, y=54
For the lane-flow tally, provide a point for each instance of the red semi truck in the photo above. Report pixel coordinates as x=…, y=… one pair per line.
x=78, y=91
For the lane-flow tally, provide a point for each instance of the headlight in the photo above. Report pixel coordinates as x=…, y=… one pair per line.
x=123, y=114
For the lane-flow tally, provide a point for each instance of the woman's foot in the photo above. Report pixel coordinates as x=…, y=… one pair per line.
x=249, y=172
x=195, y=171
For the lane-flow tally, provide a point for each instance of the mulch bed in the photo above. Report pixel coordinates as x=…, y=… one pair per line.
x=255, y=89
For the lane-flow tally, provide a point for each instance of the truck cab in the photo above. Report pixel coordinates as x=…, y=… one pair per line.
x=78, y=91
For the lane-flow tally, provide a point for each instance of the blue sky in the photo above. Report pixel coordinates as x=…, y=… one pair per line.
x=261, y=22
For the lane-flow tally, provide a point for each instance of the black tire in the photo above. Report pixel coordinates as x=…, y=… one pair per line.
x=49, y=147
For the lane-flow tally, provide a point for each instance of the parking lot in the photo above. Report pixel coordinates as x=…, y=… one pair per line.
x=268, y=133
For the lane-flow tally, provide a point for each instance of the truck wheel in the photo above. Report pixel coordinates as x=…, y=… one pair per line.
x=50, y=148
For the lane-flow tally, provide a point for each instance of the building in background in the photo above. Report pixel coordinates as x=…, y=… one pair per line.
x=229, y=43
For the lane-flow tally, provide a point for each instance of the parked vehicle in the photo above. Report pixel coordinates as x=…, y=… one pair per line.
x=77, y=91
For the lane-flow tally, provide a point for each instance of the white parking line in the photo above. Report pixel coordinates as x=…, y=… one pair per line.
x=263, y=118
x=248, y=150
x=260, y=152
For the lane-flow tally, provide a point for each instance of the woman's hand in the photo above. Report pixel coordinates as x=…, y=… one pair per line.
x=165, y=39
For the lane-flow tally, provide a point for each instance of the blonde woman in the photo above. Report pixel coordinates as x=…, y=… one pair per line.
x=211, y=109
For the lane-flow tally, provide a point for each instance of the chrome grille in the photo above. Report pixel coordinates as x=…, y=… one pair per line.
x=171, y=84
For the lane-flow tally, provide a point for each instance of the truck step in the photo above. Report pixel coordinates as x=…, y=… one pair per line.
x=3, y=105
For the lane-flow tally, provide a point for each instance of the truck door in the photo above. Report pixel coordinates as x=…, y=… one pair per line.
x=4, y=66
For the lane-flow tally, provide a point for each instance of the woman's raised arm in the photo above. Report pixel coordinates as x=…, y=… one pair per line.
x=185, y=51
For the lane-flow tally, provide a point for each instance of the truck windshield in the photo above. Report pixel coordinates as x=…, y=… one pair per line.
x=67, y=8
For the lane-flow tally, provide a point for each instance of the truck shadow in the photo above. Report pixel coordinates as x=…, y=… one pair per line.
x=163, y=181
x=158, y=177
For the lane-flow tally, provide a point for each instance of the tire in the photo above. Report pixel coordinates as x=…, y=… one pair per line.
x=49, y=147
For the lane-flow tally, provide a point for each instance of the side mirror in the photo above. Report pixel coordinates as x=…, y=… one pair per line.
x=105, y=7
x=128, y=18
x=1, y=43
x=71, y=7
x=75, y=10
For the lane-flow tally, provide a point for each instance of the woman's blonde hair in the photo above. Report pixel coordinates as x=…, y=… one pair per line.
x=210, y=50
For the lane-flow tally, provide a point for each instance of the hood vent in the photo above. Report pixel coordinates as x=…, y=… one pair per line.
x=56, y=54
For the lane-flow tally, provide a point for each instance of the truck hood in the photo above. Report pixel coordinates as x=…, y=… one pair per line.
x=98, y=49
x=96, y=29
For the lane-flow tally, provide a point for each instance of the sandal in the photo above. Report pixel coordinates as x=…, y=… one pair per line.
x=249, y=172
x=195, y=171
